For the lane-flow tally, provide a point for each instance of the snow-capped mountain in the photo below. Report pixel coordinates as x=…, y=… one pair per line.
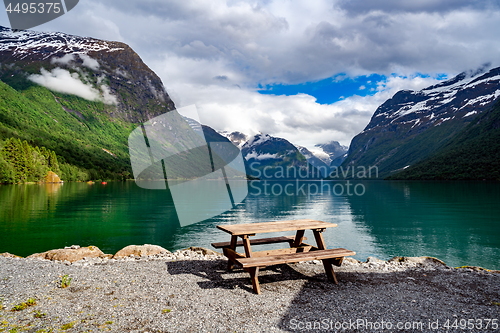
x=413, y=124
x=463, y=96
x=315, y=161
x=237, y=138
x=78, y=96
x=332, y=153
x=93, y=69
x=276, y=155
x=29, y=44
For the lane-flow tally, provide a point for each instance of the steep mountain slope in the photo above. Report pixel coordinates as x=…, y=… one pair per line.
x=80, y=97
x=473, y=154
x=278, y=157
x=333, y=153
x=315, y=161
x=411, y=126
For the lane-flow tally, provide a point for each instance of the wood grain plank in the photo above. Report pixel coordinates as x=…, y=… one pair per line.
x=260, y=241
x=277, y=226
x=281, y=251
x=294, y=257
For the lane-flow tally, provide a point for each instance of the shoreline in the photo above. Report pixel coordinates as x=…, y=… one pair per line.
x=190, y=290
x=69, y=256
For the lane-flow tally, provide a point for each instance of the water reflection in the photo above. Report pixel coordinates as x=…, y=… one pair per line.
x=456, y=222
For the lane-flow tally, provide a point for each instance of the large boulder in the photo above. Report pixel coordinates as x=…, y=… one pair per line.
x=52, y=178
x=71, y=254
x=140, y=250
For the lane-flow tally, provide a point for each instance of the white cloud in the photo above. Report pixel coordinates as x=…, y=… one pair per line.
x=299, y=118
x=89, y=62
x=215, y=53
x=107, y=97
x=65, y=60
x=63, y=81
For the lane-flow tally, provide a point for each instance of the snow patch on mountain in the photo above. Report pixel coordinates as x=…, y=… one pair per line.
x=256, y=156
x=22, y=43
x=237, y=138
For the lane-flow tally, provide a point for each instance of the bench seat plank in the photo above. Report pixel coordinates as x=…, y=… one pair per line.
x=261, y=241
x=294, y=257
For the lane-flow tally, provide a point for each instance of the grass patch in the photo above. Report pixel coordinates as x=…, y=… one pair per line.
x=65, y=282
x=39, y=314
x=24, y=305
x=68, y=325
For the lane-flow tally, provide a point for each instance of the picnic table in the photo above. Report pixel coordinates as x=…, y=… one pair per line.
x=298, y=250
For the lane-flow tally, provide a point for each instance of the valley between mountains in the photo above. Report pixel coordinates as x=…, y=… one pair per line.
x=80, y=98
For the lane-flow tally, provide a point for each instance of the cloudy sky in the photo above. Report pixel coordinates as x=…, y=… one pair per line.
x=310, y=71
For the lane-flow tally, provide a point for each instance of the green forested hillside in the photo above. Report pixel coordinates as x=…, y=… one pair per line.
x=20, y=162
x=80, y=132
x=473, y=154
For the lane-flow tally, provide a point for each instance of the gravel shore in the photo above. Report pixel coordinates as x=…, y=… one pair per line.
x=188, y=291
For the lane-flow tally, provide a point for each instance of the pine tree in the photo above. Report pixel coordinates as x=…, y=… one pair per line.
x=28, y=161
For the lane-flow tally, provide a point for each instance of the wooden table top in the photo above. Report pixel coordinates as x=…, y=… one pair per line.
x=263, y=227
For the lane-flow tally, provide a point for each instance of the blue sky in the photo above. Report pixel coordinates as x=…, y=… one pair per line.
x=329, y=90
x=337, y=88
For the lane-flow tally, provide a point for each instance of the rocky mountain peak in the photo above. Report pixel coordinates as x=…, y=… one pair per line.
x=110, y=72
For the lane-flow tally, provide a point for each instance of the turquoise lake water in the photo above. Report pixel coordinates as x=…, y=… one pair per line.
x=457, y=222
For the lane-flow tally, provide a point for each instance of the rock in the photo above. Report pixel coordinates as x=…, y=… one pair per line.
x=9, y=255
x=373, y=260
x=204, y=251
x=52, y=178
x=140, y=250
x=351, y=261
x=418, y=260
x=70, y=255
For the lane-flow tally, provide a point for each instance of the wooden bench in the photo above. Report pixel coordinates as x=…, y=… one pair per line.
x=298, y=251
x=261, y=241
x=329, y=257
x=295, y=257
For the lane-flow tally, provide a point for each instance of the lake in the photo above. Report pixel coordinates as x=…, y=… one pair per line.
x=457, y=222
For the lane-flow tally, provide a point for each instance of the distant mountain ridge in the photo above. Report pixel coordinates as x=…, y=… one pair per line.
x=237, y=138
x=411, y=126
x=335, y=153
x=270, y=157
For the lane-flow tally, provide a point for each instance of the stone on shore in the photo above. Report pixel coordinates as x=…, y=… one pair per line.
x=71, y=254
x=419, y=260
x=140, y=251
x=9, y=255
x=204, y=251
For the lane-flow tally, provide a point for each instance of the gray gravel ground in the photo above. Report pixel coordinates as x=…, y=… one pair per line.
x=189, y=292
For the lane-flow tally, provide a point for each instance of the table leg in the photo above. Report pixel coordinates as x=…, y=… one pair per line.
x=232, y=246
x=254, y=275
x=326, y=262
x=246, y=245
x=298, y=238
